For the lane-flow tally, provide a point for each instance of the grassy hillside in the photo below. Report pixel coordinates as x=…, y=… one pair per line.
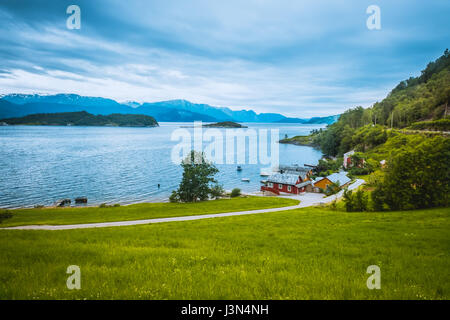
x=83, y=118
x=57, y=216
x=307, y=253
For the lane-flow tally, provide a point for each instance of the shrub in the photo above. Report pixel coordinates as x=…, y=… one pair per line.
x=217, y=191
x=236, y=192
x=332, y=189
x=5, y=214
x=174, y=197
x=355, y=202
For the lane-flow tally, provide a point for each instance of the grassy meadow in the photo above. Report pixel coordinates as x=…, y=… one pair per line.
x=73, y=215
x=310, y=253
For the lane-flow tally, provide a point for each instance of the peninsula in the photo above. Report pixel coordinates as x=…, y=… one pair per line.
x=83, y=118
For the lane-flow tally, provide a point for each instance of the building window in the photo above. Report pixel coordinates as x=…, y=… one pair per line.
x=280, y=186
x=289, y=188
x=270, y=184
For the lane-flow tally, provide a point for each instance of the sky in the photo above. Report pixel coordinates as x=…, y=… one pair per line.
x=299, y=58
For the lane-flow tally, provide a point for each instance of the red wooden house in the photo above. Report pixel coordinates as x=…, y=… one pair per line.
x=286, y=182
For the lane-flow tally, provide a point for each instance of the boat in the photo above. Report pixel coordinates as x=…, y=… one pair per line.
x=246, y=179
x=264, y=174
x=239, y=168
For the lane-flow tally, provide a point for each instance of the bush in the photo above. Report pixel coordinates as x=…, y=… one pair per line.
x=174, y=197
x=236, y=192
x=5, y=214
x=332, y=189
x=217, y=191
x=417, y=176
x=333, y=205
x=439, y=125
x=355, y=171
x=355, y=202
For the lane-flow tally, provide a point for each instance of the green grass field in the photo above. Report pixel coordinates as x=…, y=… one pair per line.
x=311, y=253
x=58, y=216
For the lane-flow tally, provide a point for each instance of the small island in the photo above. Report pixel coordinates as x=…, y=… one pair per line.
x=224, y=124
x=83, y=118
x=300, y=141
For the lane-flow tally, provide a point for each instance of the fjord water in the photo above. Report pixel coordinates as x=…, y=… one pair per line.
x=40, y=164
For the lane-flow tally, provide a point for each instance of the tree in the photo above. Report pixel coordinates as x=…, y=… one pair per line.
x=348, y=200
x=197, y=179
x=418, y=175
x=378, y=200
x=360, y=201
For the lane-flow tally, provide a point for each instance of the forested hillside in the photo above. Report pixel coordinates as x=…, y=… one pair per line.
x=423, y=99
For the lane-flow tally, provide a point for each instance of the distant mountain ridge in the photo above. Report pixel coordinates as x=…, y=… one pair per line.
x=18, y=105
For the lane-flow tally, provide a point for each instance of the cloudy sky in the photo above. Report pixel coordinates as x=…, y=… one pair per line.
x=299, y=57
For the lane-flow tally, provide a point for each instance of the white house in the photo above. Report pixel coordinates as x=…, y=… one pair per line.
x=348, y=159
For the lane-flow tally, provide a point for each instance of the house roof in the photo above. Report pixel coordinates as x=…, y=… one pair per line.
x=303, y=184
x=283, y=178
x=296, y=170
x=349, y=153
x=340, y=177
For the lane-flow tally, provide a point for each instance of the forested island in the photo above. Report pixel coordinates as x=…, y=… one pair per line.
x=224, y=124
x=83, y=118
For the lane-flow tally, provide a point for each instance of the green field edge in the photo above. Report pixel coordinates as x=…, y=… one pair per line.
x=140, y=211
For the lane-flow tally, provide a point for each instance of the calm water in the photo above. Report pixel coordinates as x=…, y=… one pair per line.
x=40, y=164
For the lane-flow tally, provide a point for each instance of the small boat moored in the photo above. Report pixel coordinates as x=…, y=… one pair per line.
x=246, y=179
x=239, y=168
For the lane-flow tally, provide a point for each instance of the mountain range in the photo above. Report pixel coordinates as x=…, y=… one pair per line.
x=18, y=105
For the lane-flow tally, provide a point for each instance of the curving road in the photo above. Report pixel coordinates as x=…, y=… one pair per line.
x=307, y=200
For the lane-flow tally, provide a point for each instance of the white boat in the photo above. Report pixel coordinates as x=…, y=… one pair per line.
x=264, y=174
x=246, y=179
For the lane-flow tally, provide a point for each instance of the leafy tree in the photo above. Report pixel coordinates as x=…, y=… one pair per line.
x=418, y=176
x=197, y=179
x=360, y=201
x=348, y=200
x=378, y=199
